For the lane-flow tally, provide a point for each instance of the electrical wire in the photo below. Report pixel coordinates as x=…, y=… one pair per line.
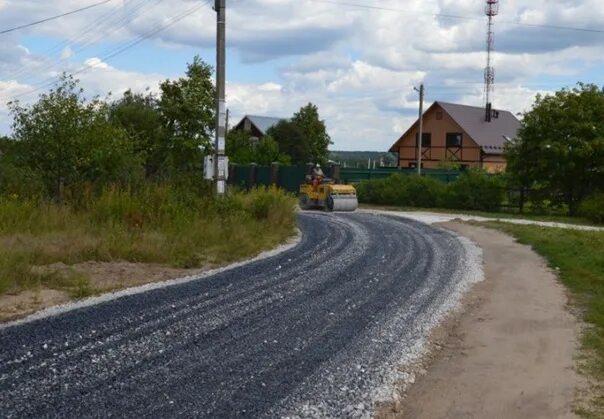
x=172, y=21
x=98, y=29
x=48, y=19
x=460, y=17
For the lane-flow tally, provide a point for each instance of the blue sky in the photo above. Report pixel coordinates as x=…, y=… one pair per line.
x=358, y=65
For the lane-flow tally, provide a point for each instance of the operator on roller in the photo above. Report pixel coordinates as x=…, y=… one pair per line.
x=317, y=176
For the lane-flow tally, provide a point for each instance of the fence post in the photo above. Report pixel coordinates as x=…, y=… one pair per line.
x=232, y=175
x=275, y=173
x=252, y=176
x=309, y=167
x=335, y=173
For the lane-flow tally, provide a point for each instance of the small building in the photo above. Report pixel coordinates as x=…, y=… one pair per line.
x=466, y=135
x=257, y=126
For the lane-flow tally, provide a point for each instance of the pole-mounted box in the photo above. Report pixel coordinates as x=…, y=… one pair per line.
x=208, y=167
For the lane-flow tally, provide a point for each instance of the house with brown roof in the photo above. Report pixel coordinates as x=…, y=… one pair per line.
x=466, y=135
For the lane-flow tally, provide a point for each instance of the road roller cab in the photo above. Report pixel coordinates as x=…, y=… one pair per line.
x=326, y=195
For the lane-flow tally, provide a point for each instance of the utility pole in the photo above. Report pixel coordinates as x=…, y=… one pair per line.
x=226, y=125
x=421, y=128
x=221, y=113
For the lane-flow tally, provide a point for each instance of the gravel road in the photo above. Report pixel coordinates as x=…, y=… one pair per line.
x=316, y=331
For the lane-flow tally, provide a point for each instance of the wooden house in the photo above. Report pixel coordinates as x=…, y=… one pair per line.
x=465, y=135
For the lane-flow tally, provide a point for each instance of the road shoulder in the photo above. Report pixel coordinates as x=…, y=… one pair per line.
x=509, y=352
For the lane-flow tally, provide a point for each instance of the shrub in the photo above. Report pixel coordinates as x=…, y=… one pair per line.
x=20, y=181
x=152, y=224
x=475, y=190
x=269, y=203
x=592, y=208
x=402, y=190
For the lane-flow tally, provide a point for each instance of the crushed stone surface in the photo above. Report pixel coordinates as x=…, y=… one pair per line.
x=437, y=217
x=318, y=330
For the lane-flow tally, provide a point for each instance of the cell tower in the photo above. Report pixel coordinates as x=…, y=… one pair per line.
x=491, y=10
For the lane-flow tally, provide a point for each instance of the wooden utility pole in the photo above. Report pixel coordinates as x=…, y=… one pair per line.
x=226, y=125
x=220, y=158
x=421, y=128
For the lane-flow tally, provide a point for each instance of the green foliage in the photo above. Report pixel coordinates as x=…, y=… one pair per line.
x=17, y=179
x=153, y=224
x=561, y=145
x=313, y=129
x=270, y=203
x=579, y=258
x=126, y=184
x=139, y=115
x=475, y=190
x=64, y=140
x=402, y=190
x=592, y=208
x=449, y=163
x=292, y=142
x=304, y=138
x=187, y=110
x=241, y=151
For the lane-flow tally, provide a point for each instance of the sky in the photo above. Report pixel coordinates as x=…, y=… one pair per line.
x=359, y=65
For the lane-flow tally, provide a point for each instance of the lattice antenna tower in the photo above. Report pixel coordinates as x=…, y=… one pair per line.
x=491, y=10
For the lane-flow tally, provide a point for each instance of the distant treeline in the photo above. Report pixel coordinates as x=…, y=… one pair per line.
x=360, y=159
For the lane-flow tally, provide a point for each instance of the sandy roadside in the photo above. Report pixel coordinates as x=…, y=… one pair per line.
x=112, y=280
x=509, y=353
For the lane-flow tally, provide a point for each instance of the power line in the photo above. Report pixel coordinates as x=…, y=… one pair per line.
x=48, y=19
x=95, y=31
x=172, y=21
x=460, y=17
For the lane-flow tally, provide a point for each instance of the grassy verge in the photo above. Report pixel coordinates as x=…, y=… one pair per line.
x=579, y=258
x=159, y=225
x=503, y=215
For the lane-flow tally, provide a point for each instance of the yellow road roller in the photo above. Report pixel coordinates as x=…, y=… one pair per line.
x=326, y=195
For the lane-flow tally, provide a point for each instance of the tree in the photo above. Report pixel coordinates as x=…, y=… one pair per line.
x=187, y=110
x=238, y=147
x=292, y=142
x=561, y=145
x=67, y=140
x=314, y=131
x=241, y=151
x=140, y=116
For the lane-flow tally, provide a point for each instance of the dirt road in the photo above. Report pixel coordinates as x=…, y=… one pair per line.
x=510, y=353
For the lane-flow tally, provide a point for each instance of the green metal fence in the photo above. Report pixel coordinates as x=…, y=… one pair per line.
x=290, y=177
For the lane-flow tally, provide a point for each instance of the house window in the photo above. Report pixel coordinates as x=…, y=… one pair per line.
x=426, y=139
x=454, y=139
x=439, y=115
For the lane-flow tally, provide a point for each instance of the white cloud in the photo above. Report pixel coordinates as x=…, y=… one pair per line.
x=66, y=53
x=358, y=65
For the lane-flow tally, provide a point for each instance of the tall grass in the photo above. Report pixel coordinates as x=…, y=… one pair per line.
x=155, y=224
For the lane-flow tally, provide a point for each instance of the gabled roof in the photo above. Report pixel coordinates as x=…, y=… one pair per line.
x=262, y=123
x=491, y=136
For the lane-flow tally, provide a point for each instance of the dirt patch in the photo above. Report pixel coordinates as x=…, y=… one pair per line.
x=110, y=276
x=509, y=353
x=26, y=302
x=103, y=277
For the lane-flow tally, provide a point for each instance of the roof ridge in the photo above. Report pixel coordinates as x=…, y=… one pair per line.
x=440, y=102
x=264, y=116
